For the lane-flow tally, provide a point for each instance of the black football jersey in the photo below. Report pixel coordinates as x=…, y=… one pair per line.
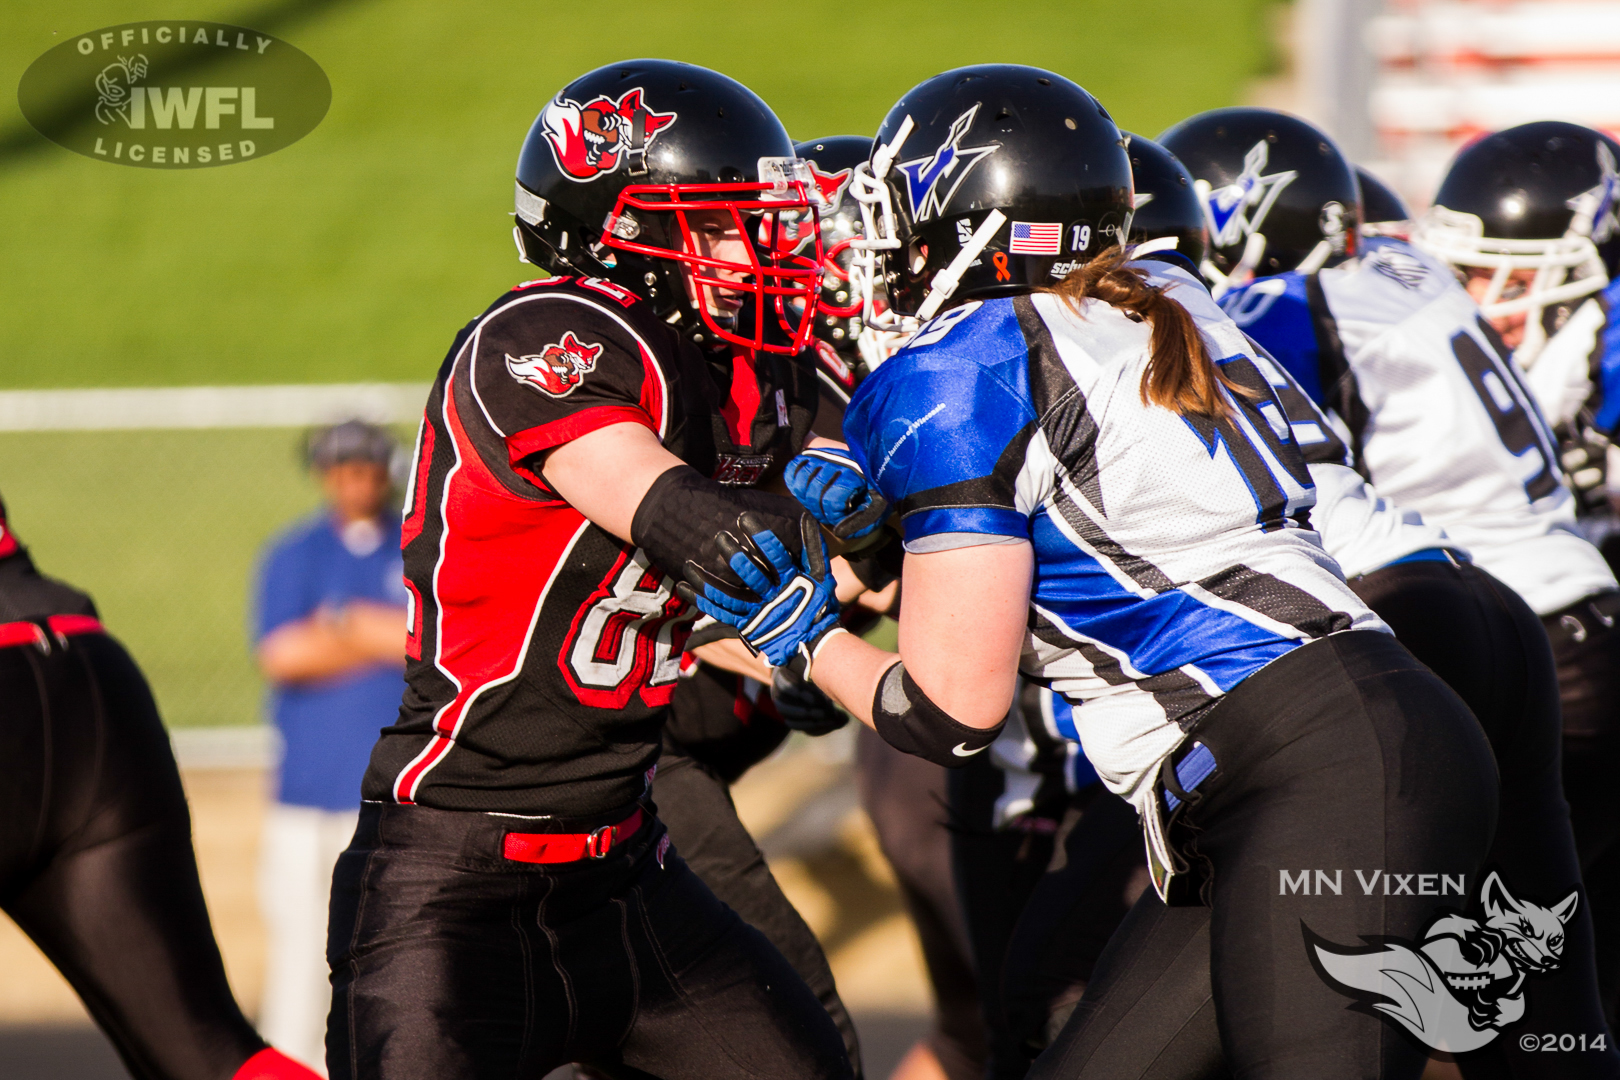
x=543, y=651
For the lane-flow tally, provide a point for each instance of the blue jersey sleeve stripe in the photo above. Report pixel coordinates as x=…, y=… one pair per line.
x=991, y=520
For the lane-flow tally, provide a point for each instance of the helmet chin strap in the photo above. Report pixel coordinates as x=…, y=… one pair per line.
x=946, y=281
x=871, y=192
x=1316, y=259
x=1221, y=284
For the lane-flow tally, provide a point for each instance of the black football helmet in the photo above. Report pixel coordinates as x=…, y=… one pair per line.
x=1278, y=195
x=1539, y=197
x=1166, y=203
x=1380, y=205
x=832, y=164
x=613, y=167
x=994, y=179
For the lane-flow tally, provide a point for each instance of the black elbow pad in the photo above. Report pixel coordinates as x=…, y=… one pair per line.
x=908, y=721
x=682, y=513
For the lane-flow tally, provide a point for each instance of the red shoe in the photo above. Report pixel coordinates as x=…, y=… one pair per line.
x=270, y=1064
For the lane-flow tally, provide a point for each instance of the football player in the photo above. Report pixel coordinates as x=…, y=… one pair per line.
x=96, y=865
x=510, y=901
x=1382, y=336
x=1527, y=217
x=1046, y=441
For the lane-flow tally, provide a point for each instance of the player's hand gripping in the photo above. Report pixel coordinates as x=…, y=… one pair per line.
x=802, y=706
x=830, y=484
x=786, y=608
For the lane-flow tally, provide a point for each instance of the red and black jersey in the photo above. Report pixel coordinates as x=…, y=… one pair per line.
x=543, y=651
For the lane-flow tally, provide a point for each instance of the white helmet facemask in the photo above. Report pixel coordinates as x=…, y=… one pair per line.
x=1566, y=268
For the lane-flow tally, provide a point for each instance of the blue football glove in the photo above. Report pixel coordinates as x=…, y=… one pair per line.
x=786, y=607
x=830, y=484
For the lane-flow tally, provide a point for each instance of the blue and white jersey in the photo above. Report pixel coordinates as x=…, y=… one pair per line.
x=1040, y=759
x=1439, y=419
x=1172, y=558
x=1359, y=528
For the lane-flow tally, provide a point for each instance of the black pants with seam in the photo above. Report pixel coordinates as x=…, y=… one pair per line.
x=449, y=960
x=1485, y=642
x=906, y=799
x=96, y=863
x=695, y=805
x=1586, y=646
x=1344, y=754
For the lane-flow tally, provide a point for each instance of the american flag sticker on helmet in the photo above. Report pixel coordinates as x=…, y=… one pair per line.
x=1035, y=238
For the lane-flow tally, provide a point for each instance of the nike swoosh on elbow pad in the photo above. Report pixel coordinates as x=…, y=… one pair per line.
x=960, y=751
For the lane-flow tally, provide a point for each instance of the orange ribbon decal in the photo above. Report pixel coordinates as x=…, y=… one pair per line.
x=1002, y=273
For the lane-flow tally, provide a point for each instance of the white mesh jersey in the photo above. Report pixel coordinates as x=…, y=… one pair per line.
x=1360, y=529
x=1172, y=558
x=1439, y=419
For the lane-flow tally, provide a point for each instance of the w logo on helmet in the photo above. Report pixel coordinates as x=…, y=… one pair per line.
x=931, y=181
x=1237, y=210
x=557, y=369
x=595, y=138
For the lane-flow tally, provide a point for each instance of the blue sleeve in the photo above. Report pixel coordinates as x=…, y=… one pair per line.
x=1276, y=312
x=943, y=439
x=280, y=596
x=1606, y=365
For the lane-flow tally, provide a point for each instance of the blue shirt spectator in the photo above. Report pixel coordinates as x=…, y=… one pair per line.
x=317, y=570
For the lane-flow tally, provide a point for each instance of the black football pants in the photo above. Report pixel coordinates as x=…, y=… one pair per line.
x=1344, y=754
x=96, y=863
x=906, y=799
x=450, y=960
x=695, y=805
x=1486, y=643
x=1586, y=644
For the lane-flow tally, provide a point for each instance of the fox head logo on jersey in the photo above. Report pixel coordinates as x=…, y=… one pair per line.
x=1239, y=209
x=557, y=369
x=1464, y=981
x=593, y=139
x=931, y=181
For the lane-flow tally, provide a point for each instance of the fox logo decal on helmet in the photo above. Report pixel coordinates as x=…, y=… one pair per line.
x=557, y=369
x=594, y=139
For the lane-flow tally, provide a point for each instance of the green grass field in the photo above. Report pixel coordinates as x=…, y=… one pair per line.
x=358, y=252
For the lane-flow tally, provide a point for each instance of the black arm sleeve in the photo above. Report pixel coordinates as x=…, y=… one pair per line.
x=909, y=721
x=682, y=512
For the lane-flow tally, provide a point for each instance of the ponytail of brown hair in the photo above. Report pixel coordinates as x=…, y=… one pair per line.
x=1180, y=375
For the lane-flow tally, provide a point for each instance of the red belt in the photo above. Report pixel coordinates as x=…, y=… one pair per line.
x=541, y=847
x=27, y=633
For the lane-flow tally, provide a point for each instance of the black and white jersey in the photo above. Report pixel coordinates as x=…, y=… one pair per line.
x=1360, y=529
x=1437, y=416
x=1173, y=555
x=1039, y=757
